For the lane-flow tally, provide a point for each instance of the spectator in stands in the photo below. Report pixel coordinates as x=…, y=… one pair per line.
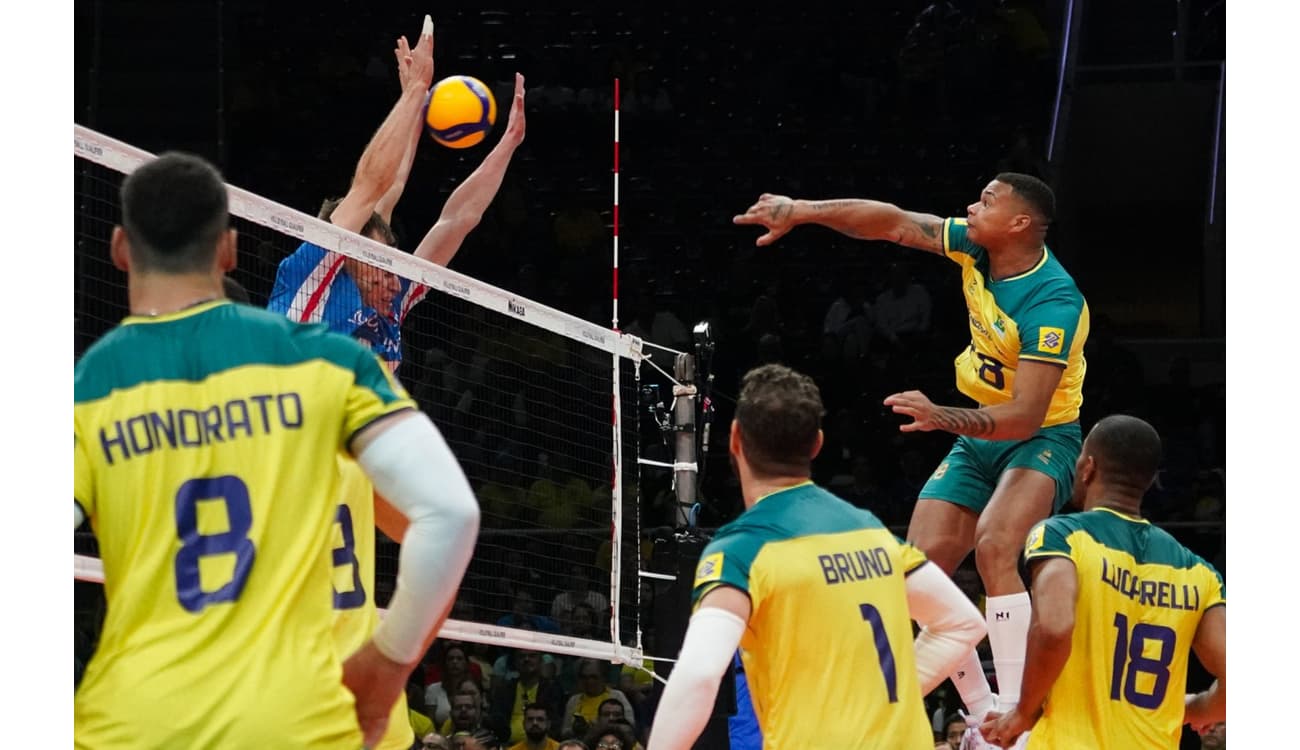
x=953, y=728
x=613, y=737
x=453, y=668
x=902, y=310
x=578, y=592
x=466, y=713
x=522, y=616
x=512, y=697
x=572, y=744
x=421, y=722
x=1216, y=738
x=537, y=723
x=581, y=711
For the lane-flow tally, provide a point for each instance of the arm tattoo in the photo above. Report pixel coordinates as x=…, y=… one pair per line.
x=832, y=204
x=973, y=422
x=926, y=229
x=781, y=210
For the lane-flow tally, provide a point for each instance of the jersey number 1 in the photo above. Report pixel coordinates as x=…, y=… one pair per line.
x=233, y=493
x=886, y=654
x=1129, y=649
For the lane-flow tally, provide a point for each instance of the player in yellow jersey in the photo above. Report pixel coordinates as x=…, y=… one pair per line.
x=370, y=304
x=206, y=435
x=1013, y=460
x=819, y=596
x=1118, y=606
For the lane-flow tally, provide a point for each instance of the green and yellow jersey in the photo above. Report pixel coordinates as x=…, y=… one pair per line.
x=1038, y=315
x=206, y=449
x=828, y=650
x=1141, y=598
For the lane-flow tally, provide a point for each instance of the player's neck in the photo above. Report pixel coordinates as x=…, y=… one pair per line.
x=754, y=488
x=1014, y=259
x=152, y=294
x=1117, y=503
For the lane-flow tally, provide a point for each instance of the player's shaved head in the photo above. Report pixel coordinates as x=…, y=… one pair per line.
x=1035, y=194
x=1127, y=451
x=174, y=210
x=780, y=416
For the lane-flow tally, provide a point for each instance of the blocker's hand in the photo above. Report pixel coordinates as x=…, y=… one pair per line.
x=416, y=65
x=917, y=406
x=775, y=212
x=515, y=125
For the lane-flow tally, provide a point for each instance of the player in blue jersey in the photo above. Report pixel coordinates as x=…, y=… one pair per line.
x=1013, y=459
x=365, y=301
x=370, y=304
x=206, y=435
x=1118, y=606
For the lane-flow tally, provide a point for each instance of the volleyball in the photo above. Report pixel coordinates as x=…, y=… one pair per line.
x=460, y=112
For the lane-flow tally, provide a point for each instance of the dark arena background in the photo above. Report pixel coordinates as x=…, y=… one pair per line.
x=1119, y=105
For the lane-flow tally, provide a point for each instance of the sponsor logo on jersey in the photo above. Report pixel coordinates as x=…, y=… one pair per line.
x=710, y=569
x=1050, y=340
x=1045, y=456
x=1035, y=539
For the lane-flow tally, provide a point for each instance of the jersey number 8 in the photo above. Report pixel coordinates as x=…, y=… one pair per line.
x=233, y=493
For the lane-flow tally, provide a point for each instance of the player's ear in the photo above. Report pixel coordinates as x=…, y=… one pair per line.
x=734, y=442
x=1022, y=223
x=817, y=445
x=1088, y=470
x=228, y=250
x=119, y=250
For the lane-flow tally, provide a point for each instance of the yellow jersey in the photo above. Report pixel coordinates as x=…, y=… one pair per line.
x=1038, y=315
x=205, y=457
x=828, y=651
x=353, y=557
x=1141, y=598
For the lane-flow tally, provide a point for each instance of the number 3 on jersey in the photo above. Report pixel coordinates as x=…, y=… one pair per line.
x=347, y=555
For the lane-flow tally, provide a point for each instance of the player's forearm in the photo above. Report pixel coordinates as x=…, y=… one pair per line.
x=1209, y=706
x=711, y=639
x=1045, y=655
x=389, y=200
x=379, y=163
x=1009, y=421
x=863, y=219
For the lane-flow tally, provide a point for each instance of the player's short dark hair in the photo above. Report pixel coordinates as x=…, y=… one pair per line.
x=538, y=707
x=374, y=225
x=779, y=413
x=174, y=210
x=1033, y=191
x=1127, y=450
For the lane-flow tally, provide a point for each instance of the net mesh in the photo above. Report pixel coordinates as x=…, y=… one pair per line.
x=521, y=392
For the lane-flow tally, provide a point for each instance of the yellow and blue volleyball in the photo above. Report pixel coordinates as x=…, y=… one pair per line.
x=460, y=112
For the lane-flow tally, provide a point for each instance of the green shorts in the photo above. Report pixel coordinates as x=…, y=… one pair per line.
x=971, y=470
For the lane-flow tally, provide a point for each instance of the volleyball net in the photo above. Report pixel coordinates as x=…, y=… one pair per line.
x=540, y=407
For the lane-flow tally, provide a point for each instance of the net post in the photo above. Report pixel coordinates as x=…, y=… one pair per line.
x=684, y=471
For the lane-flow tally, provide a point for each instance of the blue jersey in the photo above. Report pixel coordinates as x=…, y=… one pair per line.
x=312, y=286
